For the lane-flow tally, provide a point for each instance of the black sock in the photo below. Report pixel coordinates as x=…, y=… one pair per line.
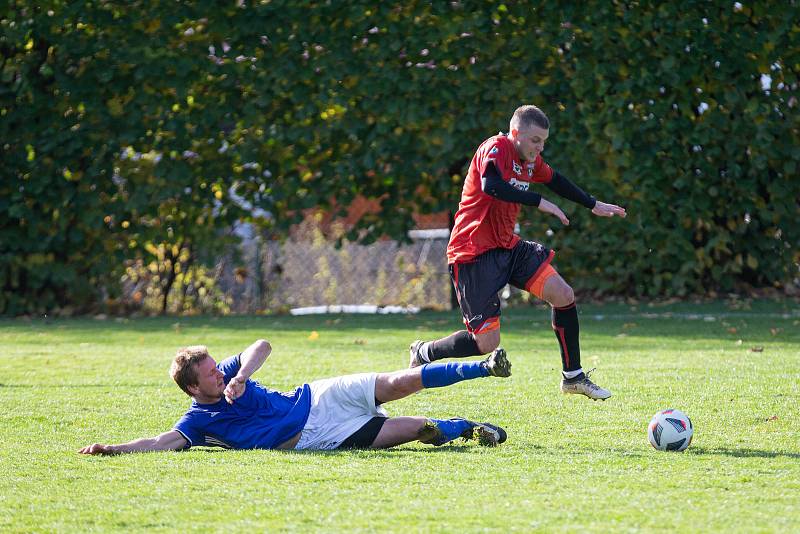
x=457, y=345
x=565, y=325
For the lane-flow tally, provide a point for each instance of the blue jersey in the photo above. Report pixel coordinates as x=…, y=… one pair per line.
x=259, y=419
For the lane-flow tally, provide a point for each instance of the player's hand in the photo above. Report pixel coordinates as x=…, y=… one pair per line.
x=235, y=388
x=548, y=207
x=98, y=448
x=608, y=210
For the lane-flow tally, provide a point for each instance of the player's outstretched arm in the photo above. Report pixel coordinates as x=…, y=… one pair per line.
x=252, y=358
x=608, y=210
x=168, y=441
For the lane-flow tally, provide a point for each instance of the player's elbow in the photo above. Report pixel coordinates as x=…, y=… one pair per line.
x=263, y=346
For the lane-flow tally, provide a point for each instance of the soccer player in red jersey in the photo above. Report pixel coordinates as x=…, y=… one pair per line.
x=484, y=254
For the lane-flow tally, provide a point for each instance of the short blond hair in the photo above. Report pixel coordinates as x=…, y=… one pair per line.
x=526, y=116
x=184, y=367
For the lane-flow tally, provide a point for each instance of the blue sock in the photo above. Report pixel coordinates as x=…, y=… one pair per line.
x=437, y=375
x=451, y=428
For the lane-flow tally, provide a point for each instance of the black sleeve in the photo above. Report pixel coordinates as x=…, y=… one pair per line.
x=564, y=188
x=493, y=184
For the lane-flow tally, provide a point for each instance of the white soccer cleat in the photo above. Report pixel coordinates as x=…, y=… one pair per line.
x=584, y=386
x=415, y=359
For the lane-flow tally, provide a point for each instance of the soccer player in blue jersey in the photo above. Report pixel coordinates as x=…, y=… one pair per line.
x=232, y=411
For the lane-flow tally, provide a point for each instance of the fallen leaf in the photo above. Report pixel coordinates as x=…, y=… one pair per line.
x=313, y=335
x=757, y=349
x=772, y=418
x=775, y=331
x=360, y=341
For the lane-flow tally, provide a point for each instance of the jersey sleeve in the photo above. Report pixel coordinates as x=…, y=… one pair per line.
x=230, y=366
x=542, y=172
x=498, y=153
x=189, y=430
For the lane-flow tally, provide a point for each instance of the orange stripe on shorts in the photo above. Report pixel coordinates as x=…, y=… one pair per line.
x=490, y=324
x=535, y=285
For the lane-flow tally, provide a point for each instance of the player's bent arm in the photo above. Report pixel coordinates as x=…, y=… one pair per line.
x=168, y=441
x=253, y=357
x=251, y=360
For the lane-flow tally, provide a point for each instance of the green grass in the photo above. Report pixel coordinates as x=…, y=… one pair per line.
x=569, y=463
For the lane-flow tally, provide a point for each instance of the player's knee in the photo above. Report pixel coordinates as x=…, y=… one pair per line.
x=567, y=295
x=399, y=385
x=562, y=295
x=488, y=342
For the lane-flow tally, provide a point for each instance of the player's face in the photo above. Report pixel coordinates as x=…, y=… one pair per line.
x=210, y=380
x=530, y=142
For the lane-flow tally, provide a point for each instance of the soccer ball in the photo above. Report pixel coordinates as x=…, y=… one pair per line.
x=670, y=430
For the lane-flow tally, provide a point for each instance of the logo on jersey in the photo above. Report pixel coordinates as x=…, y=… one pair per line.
x=522, y=186
x=517, y=168
x=530, y=170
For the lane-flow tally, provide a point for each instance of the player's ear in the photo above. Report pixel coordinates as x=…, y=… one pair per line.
x=514, y=132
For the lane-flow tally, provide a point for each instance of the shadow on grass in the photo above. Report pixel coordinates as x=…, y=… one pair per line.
x=742, y=453
x=394, y=451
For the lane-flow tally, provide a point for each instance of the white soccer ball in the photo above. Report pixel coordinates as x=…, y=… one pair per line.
x=670, y=430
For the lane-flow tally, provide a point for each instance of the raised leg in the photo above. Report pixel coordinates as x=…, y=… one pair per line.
x=399, y=384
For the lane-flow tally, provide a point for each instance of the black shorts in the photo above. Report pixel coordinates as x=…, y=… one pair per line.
x=364, y=436
x=478, y=281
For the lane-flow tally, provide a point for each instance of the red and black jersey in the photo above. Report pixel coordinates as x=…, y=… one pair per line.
x=482, y=221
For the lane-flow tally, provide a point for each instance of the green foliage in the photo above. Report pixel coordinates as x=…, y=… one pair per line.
x=172, y=283
x=179, y=119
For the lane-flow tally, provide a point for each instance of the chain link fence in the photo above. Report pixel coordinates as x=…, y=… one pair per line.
x=309, y=270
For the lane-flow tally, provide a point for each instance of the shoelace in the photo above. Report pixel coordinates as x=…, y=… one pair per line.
x=591, y=384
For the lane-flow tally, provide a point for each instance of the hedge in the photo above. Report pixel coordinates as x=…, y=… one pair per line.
x=131, y=129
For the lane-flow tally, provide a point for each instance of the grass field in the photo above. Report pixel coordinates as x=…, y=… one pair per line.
x=569, y=463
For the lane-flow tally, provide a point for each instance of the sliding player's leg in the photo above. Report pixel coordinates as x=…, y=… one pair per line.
x=399, y=430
